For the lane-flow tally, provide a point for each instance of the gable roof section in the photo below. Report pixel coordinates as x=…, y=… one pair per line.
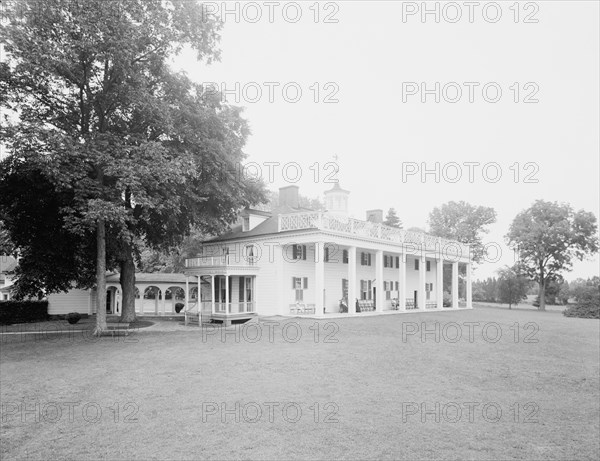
x=267, y=227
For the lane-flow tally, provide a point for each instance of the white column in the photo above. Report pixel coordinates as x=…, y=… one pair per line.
x=422, y=299
x=252, y=292
x=187, y=297
x=164, y=300
x=139, y=306
x=402, y=282
x=469, y=287
x=319, y=277
x=439, y=283
x=212, y=294
x=379, y=280
x=352, y=280
x=198, y=299
x=227, y=300
x=455, y=285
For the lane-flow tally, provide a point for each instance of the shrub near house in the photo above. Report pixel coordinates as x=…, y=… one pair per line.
x=23, y=311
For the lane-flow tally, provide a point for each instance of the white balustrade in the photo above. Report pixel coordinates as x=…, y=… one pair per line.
x=326, y=221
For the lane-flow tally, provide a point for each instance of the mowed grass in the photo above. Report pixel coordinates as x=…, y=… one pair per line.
x=369, y=386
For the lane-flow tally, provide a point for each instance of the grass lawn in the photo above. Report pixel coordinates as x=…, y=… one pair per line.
x=50, y=327
x=161, y=396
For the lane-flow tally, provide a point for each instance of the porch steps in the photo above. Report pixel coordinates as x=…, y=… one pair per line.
x=192, y=319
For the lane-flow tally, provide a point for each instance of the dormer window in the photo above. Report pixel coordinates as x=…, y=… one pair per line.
x=245, y=223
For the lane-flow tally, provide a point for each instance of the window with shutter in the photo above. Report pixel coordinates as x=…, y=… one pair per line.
x=249, y=289
x=250, y=254
x=428, y=268
x=299, y=284
x=345, y=257
x=299, y=252
x=397, y=262
x=416, y=264
x=326, y=256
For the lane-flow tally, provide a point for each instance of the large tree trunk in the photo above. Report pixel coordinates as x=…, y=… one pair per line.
x=542, y=295
x=127, y=279
x=100, y=277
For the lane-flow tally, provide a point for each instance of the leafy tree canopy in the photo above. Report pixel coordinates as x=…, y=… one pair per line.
x=548, y=237
x=512, y=286
x=135, y=151
x=463, y=222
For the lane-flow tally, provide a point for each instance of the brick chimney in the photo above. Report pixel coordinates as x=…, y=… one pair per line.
x=288, y=196
x=375, y=216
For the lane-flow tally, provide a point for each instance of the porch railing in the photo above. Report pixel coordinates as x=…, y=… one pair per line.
x=204, y=261
x=233, y=307
x=351, y=226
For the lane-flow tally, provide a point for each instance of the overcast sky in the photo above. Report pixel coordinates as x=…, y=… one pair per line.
x=376, y=58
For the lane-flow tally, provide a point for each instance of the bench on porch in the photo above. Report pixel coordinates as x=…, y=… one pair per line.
x=301, y=308
x=410, y=304
x=365, y=305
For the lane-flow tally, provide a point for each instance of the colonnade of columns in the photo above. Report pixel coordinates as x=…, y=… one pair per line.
x=379, y=277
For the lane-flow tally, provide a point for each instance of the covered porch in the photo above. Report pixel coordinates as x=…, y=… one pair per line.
x=341, y=278
x=226, y=292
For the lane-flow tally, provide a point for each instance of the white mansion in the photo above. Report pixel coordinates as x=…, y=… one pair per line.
x=296, y=261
